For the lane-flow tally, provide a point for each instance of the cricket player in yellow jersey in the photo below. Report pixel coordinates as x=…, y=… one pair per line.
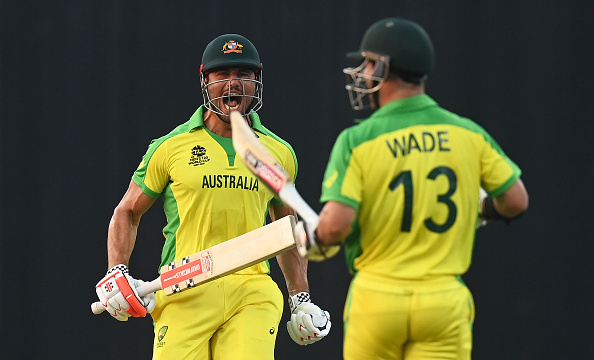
x=209, y=196
x=401, y=191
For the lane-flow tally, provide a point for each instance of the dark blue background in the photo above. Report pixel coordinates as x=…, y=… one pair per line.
x=85, y=85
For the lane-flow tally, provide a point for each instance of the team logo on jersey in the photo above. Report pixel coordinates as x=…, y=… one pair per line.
x=162, y=332
x=199, y=156
x=160, y=336
x=232, y=46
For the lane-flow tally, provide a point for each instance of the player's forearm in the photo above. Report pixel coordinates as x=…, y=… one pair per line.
x=124, y=224
x=121, y=237
x=327, y=234
x=294, y=269
x=335, y=223
x=293, y=266
x=513, y=202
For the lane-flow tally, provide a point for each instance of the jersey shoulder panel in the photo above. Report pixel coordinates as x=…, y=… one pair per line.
x=153, y=164
x=338, y=165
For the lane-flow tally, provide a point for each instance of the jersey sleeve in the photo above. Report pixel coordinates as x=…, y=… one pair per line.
x=342, y=179
x=152, y=175
x=498, y=172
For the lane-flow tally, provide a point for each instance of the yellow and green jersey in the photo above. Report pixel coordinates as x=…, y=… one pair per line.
x=209, y=195
x=413, y=171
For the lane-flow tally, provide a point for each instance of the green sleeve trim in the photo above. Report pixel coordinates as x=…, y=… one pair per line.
x=276, y=201
x=341, y=199
x=145, y=189
x=506, y=185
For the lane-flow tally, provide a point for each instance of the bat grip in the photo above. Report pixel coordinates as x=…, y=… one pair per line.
x=144, y=289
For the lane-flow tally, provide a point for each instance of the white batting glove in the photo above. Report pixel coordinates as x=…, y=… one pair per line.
x=308, y=246
x=482, y=197
x=308, y=322
x=117, y=293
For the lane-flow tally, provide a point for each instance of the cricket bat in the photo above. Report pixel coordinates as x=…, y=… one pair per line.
x=260, y=162
x=222, y=259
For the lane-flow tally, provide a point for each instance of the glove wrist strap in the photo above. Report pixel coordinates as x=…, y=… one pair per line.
x=491, y=213
x=121, y=267
x=298, y=299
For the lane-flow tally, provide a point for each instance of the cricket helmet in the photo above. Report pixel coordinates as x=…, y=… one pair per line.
x=231, y=51
x=395, y=45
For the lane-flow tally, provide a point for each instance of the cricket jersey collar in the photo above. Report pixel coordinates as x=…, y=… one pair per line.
x=408, y=104
x=197, y=120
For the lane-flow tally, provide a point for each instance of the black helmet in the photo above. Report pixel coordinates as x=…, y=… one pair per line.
x=230, y=50
x=405, y=42
x=391, y=45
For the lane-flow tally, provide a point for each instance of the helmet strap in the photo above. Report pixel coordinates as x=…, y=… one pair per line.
x=374, y=100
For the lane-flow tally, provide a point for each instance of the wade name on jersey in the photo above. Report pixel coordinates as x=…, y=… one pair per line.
x=424, y=141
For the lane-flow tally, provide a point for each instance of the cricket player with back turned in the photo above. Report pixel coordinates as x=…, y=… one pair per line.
x=402, y=191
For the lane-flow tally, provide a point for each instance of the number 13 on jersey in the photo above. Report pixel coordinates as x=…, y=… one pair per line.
x=405, y=179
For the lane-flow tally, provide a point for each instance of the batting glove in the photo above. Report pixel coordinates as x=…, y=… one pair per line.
x=482, y=197
x=117, y=293
x=308, y=322
x=307, y=243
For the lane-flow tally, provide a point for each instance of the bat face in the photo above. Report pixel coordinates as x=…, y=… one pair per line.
x=187, y=272
x=228, y=257
x=220, y=260
x=274, y=177
x=256, y=156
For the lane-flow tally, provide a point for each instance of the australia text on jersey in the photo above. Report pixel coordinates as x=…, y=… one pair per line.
x=230, y=182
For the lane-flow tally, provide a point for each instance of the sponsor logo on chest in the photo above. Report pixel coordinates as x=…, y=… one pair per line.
x=198, y=156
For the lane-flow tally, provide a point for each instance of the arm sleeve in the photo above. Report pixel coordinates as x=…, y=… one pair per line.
x=342, y=179
x=152, y=175
x=498, y=172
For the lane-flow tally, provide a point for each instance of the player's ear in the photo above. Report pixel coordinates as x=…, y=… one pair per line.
x=203, y=76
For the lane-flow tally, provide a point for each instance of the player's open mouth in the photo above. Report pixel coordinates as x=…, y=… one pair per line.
x=232, y=102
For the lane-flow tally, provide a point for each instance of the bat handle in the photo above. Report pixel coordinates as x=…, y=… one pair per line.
x=97, y=308
x=291, y=197
x=144, y=289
